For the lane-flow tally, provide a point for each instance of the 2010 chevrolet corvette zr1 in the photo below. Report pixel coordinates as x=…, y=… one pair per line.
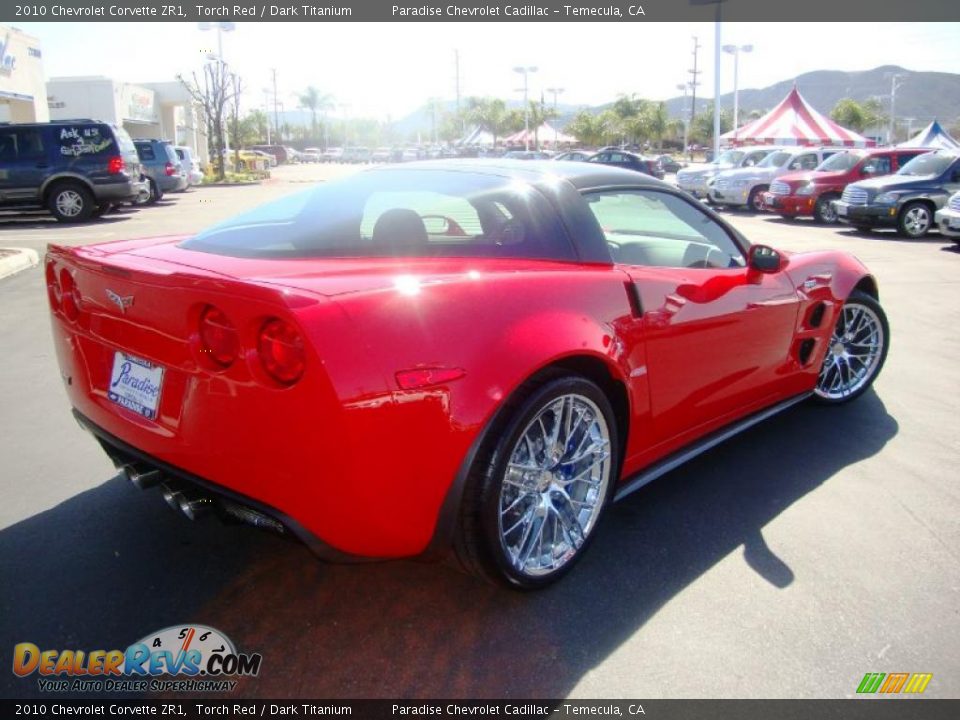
x=471, y=356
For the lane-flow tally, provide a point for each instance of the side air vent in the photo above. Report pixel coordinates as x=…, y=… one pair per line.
x=816, y=315
x=803, y=353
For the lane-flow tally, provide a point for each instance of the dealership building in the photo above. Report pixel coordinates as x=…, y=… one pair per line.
x=163, y=110
x=23, y=94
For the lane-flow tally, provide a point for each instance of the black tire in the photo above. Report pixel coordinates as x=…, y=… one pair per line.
x=855, y=300
x=70, y=202
x=102, y=209
x=915, y=219
x=755, y=200
x=478, y=545
x=823, y=211
x=155, y=192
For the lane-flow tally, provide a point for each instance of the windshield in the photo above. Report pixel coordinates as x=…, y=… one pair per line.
x=397, y=213
x=840, y=162
x=774, y=159
x=929, y=164
x=730, y=157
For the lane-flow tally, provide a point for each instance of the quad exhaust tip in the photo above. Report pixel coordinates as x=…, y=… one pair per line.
x=141, y=477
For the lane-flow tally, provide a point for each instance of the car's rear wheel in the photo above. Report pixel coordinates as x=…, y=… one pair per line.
x=70, y=202
x=856, y=352
x=536, y=493
x=823, y=211
x=915, y=219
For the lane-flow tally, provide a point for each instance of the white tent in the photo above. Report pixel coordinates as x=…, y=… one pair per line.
x=932, y=136
x=546, y=133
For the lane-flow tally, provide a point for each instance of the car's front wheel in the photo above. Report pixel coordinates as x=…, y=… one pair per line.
x=823, y=211
x=856, y=351
x=915, y=219
x=536, y=493
x=755, y=201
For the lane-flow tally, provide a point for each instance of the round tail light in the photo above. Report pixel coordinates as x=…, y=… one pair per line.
x=218, y=337
x=53, y=285
x=281, y=351
x=69, y=295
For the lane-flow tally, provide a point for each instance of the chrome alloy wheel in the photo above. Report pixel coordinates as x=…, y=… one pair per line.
x=917, y=220
x=854, y=354
x=69, y=203
x=554, y=485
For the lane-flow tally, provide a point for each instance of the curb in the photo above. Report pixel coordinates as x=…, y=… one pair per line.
x=13, y=260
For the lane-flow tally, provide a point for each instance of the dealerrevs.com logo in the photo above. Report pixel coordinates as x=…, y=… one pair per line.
x=202, y=658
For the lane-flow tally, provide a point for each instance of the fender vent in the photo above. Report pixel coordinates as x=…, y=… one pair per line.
x=816, y=315
x=806, y=347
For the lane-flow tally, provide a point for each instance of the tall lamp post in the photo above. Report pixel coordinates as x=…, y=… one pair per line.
x=895, y=82
x=735, y=50
x=525, y=70
x=555, y=91
x=686, y=124
x=220, y=27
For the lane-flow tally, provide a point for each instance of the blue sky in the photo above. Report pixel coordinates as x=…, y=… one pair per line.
x=388, y=69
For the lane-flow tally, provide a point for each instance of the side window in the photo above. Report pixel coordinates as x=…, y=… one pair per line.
x=754, y=157
x=803, y=162
x=83, y=140
x=880, y=165
x=904, y=158
x=21, y=144
x=649, y=227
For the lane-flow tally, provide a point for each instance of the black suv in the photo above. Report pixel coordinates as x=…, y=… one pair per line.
x=628, y=160
x=74, y=168
x=906, y=200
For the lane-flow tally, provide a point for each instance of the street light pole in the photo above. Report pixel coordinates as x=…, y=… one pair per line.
x=735, y=50
x=555, y=91
x=894, y=86
x=686, y=124
x=525, y=70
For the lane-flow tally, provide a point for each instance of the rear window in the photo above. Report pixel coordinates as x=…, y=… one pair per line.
x=145, y=151
x=400, y=213
x=929, y=164
x=83, y=140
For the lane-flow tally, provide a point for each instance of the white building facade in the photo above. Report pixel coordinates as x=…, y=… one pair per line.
x=23, y=94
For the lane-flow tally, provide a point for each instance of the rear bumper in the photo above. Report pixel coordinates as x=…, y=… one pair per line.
x=790, y=205
x=172, y=183
x=118, y=191
x=228, y=502
x=866, y=215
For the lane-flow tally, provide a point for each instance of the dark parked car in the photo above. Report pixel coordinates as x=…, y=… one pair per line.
x=74, y=168
x=162, y=167
x=907, y=200
x=628, y=161
x=668, y=164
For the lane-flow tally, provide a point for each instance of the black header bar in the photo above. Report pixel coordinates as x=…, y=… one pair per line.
x=473, y=11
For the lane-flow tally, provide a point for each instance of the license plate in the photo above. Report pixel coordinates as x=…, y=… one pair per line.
x=841, y=209
x=135, y=384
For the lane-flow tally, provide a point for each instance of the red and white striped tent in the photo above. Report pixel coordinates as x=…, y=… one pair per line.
x=545, y=132
x=795, y=122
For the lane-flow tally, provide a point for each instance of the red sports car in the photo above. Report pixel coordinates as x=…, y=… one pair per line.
x=457, y=356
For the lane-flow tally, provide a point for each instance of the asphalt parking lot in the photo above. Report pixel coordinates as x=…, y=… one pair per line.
x=788, y=562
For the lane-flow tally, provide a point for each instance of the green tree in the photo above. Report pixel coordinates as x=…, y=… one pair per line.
x=657, y=122
x=701, y=129
x=490, y=114
x=315, y=101
x=851, y=114
x=587, y=128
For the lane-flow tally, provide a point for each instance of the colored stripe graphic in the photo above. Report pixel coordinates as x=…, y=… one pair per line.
x=918, y=682
x=894, y=682
x=870, y=682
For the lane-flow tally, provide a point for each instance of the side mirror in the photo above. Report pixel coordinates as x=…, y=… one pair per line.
x=765, y=259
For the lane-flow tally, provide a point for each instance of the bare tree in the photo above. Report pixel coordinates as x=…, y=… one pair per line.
x=213, y=95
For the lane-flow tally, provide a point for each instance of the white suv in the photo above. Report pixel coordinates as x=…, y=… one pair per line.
x=745, y=186
x=695, y=178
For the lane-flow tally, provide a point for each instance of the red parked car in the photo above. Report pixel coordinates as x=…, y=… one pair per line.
x=467, y=356
x=811, y=193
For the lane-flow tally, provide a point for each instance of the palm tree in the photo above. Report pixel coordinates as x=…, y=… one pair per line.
x=489, y=113
x=657, y=121
x=313, y=100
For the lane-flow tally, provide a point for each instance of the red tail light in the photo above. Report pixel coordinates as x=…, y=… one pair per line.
x=170, y=169
x=281, y=351
x=115, y=165
x=69, y=295
x=218, y=337
x=53, y=285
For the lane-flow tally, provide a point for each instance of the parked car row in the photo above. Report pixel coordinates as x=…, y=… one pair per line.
x=82, y=168
x=913, y=190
